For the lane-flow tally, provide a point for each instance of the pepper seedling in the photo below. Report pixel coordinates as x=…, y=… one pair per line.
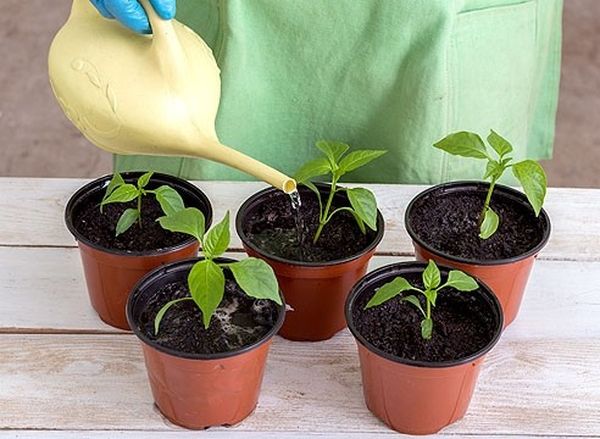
x=530, y=173
x=431, y=280
x=206, y=280
x=335, y=163
x=118, y=191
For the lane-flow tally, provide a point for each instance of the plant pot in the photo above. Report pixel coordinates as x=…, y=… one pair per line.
x=198, y=391
x=507, y=277
x=110, y=274
x=315, y=291
x=411, y=396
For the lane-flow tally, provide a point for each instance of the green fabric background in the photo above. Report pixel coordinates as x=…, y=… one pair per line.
x=389, y=74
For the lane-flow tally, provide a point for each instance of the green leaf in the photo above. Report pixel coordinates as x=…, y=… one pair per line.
x=461, y=281
x=189, y=220
x=312, y=169
x=114, y=183
x=357, y=159
x=389, y=291
x=431, y=296
x=144, y=179
x=426, y=328
x=463, y=144
x=216, y=240
x=168, y=198
x=499, y=143
x=256, y=278
x=207, y=286
x=489, y=224
x=128, y=219
x=161, y=312
x=431, y=276
x=122, y=194
x=532, y=177
x=333, y=150
x=494, y=170
x=364, y=204
x=415, y=301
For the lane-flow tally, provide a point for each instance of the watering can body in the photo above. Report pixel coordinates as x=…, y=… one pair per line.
x=143, y=94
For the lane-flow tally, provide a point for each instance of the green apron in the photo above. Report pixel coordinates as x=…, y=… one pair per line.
x=387, y=74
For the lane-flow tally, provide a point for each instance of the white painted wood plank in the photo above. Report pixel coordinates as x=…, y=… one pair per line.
x=43, y=290
x=99, y=382
x=575, y=214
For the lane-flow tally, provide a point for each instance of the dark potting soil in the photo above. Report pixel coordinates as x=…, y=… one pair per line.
x=238, y=321
x=272, y=228
x=449, y=223
x=463, y=323
x=99, y=228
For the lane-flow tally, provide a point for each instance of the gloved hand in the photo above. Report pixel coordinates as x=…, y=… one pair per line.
x=131, y=14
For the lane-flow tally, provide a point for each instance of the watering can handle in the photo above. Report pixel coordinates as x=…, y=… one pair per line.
x=171, y=55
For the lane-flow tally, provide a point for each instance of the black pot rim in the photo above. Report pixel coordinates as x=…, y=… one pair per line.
x=465, y=185
x=184, y=266
x=103, y=181
x=256, y=199
x=411, y=267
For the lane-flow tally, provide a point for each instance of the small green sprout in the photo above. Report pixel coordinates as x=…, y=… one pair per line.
x=530, y=173
x=206, y=280
x=336, y=164
x=118, y=191
x=432, y=280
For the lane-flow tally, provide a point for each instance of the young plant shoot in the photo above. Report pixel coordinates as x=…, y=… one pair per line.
x=529, y=173
x=336, y=164
x=431, y=280
x=206, y=280
x=118, y=191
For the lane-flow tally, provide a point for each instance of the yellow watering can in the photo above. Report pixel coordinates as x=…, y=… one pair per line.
x=144, y=94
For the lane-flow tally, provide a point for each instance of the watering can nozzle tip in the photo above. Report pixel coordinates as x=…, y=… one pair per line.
x=289, y=186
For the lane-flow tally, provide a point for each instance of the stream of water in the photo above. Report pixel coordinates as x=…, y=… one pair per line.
x=298, y=220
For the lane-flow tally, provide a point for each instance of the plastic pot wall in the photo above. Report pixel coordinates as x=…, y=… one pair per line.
x=315, y=292
x=506, y=277
x=111, y=274
x=198, y=391
x=416, y=397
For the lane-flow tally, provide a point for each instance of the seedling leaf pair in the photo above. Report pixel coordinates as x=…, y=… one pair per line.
x=336, y=162
x=529, y=173
x=431, y=280
x=118, y=191
x=206, y=280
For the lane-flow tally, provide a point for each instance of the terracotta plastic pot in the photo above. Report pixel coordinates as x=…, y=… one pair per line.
x=315, y=291
x=199, y=390
x=110, y=274
x=506, y=277
x=416, y=397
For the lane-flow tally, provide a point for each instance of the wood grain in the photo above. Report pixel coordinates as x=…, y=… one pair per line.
x=43, y=290
x=99, y=382
x=575, y=215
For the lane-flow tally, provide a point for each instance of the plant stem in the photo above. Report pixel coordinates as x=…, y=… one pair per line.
x=486, y=204
x=139, y=209
x=325, y=214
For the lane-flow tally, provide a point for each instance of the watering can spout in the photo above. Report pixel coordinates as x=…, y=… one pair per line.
x=139, y=94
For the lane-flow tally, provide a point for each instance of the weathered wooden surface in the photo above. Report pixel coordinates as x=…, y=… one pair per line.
x=33, y=209
x=65, y=374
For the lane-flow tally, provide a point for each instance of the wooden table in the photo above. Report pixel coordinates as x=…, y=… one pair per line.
x=65, y=374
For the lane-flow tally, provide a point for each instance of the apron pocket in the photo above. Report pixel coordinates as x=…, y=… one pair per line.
x=491, y=73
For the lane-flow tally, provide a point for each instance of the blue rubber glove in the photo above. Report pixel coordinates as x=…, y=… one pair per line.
x=131, y=14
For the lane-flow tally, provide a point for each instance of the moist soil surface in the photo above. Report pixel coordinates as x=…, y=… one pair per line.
x=449, y=222
x=238, y=321
x=463, y=323
x=274, y=228
x=99, y=228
